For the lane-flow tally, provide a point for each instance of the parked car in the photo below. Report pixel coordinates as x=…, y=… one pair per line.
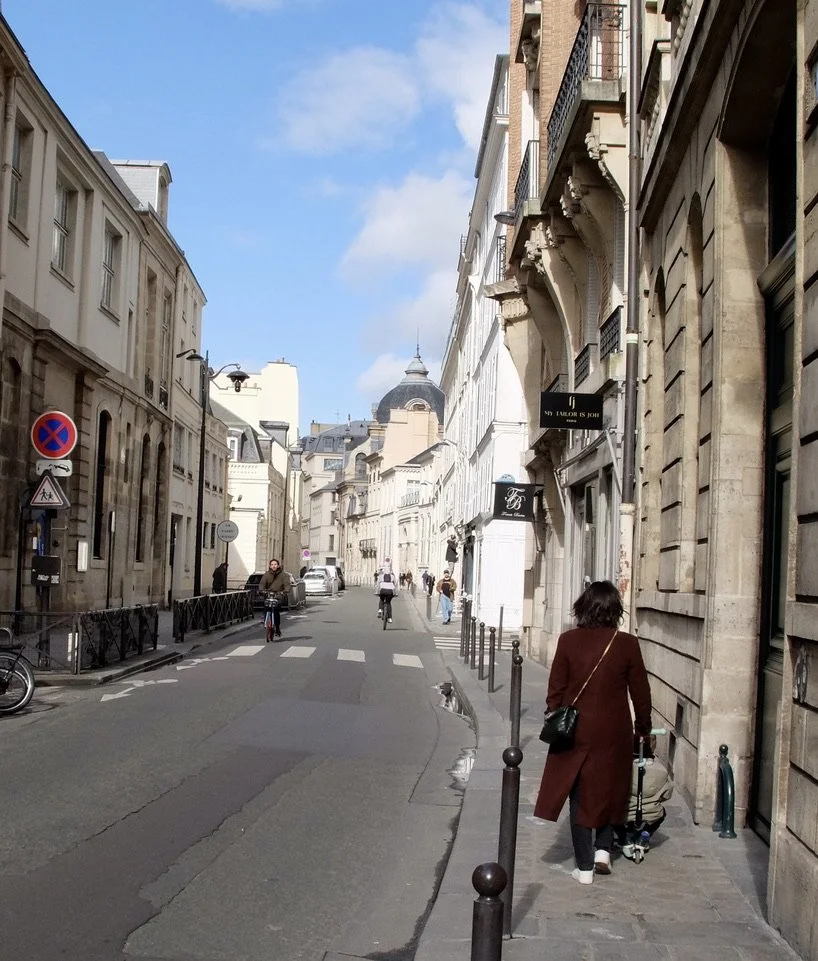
x=318, y=581
x=294, y=597
x=334, y=572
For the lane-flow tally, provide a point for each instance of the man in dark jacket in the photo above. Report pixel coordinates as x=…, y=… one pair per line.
x=220, y=578
x=274, y=581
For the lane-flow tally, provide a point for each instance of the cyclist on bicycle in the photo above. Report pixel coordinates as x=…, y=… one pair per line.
x=386, y=588
x=274, y=581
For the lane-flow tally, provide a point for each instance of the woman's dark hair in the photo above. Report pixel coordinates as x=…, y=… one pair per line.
x=599, y=605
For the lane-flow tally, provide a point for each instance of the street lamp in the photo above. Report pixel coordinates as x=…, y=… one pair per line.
x=237, y=377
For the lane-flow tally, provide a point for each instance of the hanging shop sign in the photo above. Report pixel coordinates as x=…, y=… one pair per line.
x=570, y=411
x=514, y=502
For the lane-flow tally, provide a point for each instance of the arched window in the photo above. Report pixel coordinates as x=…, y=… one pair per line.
x=100, y=498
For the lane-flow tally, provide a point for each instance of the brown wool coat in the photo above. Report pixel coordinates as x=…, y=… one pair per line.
x=603, y=741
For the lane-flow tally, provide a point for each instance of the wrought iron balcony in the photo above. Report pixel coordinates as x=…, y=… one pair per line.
x=500, y=259
x=559, y=385
x=528, y=180
x=598, y=54
x=163, y=395
x=582, y=364
x=609, y=334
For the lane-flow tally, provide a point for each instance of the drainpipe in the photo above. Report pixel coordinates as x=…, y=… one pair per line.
x=10, y=94
x=628, y=507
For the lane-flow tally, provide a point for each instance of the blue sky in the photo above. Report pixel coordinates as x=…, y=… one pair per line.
x=322, y=154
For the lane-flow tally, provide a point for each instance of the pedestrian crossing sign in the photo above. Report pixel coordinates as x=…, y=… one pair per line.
x=48, y=494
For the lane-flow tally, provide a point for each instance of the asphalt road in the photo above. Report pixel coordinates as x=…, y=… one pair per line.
x=255, y=803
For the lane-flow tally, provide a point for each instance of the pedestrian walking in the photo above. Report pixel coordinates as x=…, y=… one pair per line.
x=220, y=578
x=408, y=579
x=430, y=584
x=596, y=667
x=446, y=588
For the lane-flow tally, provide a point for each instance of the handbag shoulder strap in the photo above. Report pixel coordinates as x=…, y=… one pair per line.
x=596, y=666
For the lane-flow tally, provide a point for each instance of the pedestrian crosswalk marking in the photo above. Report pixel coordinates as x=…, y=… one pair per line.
x=246, y=650
x=406, y=660
x=298, y=652
x=345, y=655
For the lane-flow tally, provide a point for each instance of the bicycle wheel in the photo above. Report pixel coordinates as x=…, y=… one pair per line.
x=387, y=612
x=15, y=691
x=10, y=662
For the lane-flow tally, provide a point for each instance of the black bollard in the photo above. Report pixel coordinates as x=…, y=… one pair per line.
x=428, y=607
x=464, y=625
x=507, y=846
x=492, y=649
x=481, y=667
x=516, y=692
x=473, y=650
x=500, y=630
x=487, y=914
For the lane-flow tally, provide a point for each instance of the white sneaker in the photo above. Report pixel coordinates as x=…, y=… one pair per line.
x=602, y=862
x=584, y=877
x=389, y=620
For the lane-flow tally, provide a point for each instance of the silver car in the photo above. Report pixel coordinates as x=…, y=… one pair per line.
x=317, y=582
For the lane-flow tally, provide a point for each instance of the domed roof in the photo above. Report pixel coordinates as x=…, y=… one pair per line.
x=414, y=392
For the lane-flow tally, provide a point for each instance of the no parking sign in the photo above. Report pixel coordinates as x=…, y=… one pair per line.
x=54, y=435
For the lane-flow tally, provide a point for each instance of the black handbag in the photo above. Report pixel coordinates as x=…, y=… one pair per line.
x=560, y=724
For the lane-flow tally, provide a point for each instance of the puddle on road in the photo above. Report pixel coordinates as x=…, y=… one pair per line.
x=450, y=701
x=461, y=769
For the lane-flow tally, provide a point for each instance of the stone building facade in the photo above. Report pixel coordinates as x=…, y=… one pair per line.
x=722, y=546
x=86, y=266
x=486, y=422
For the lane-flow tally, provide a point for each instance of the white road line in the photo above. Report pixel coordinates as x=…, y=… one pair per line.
x=406, y=660
x=346, y=655
x=246, y=650
x=298, y=652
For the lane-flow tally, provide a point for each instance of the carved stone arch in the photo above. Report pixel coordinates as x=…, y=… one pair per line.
x=761, y=67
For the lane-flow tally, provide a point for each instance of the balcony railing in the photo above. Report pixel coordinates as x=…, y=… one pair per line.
x=528, y=180
x=149, y=386
x=582, y=364
x=163, y=395
x=598, y=54
x=559, y=385
x=609, y=334
x=367, y=546
x=500, y=260
x=410, y=499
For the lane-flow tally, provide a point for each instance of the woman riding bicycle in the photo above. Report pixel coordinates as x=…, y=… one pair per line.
x=274, y=581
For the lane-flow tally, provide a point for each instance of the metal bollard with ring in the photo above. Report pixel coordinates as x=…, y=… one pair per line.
x=488, y=880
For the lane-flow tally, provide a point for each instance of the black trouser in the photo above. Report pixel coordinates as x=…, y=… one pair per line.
x=583, y=838
x=385, y=596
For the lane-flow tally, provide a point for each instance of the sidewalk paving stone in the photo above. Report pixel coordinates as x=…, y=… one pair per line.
x=695, y=897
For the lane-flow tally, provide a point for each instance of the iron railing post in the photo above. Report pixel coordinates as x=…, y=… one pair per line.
x=487, y=914
x=516, y=692
x=473, y=651
x=500, y=630
x=481, y=673
x=507, y=845
x=492, y=651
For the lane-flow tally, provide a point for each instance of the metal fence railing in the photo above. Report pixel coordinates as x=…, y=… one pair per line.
x=528, y=179
x=83, y=640
x=610, y=334
x=207, y=611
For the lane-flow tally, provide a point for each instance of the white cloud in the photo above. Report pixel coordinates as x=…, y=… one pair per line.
x=357, y=99
x=427, y=316
x=461, y=71
x=416, y=222
x=381, y=375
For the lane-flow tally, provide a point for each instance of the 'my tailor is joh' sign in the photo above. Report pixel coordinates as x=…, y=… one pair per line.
x=570, y=411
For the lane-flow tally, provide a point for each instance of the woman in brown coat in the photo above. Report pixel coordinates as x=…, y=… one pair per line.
x=595, y=773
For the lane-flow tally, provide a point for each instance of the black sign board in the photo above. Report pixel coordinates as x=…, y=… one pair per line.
x=514, y=502
x=570, y=411
x=45, y=570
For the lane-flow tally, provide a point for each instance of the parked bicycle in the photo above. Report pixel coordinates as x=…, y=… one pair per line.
x=16, y=674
